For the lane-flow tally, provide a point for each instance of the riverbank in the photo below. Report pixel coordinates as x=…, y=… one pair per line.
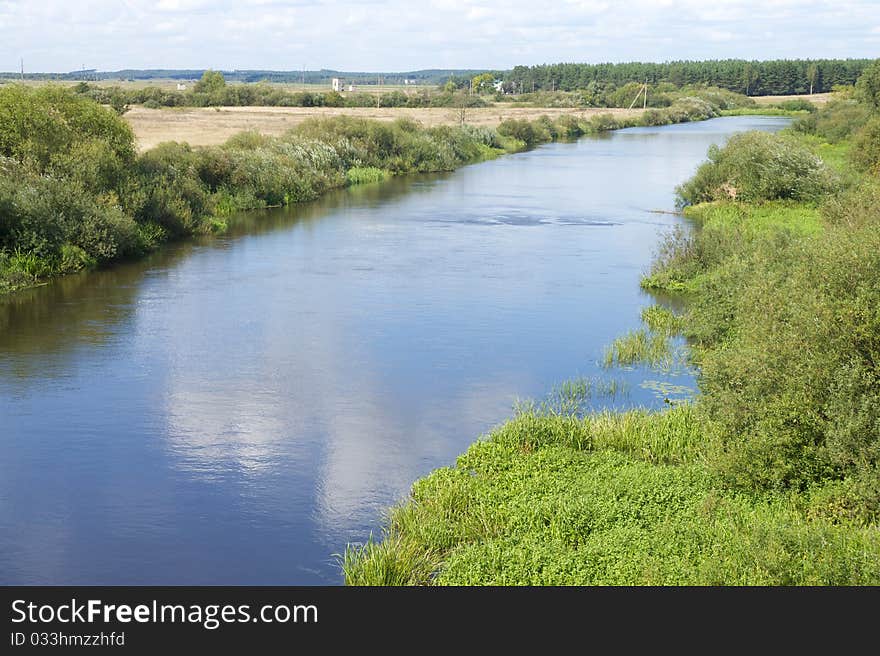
x=78, y=195
x=769, y=476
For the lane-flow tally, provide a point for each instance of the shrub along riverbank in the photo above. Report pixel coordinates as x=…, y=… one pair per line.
x=770, y=475
x=75, y=194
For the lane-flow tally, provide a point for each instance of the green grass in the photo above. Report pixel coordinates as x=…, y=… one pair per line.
x=764, y=111
x=836, y=156
x=662, y=320
x=639, y=346
x=365, y=175
x=575, y=397
x=617, y=499
x=725, y=229
x=801, y=218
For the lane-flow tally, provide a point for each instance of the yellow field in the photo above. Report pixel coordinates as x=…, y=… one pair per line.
x=816, y=98
x=205, y=126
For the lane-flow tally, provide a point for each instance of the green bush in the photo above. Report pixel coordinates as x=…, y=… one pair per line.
x=530, y=133
x=868, y=86
x=365, y=175
x=39, y=125
x=835, y=122
x=796, y=384
x=865, y=153
x=41, y=216
x=798, y=105
x=757, y=166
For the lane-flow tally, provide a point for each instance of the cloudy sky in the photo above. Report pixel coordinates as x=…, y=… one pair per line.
x=400, y=35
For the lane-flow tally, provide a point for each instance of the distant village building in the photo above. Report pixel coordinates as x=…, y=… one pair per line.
x=181, y=86
x=408, y=82
x=351, y=88
x=337, y=84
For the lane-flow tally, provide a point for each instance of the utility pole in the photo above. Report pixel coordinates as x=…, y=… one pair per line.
x=22, y=69
x=645, y=105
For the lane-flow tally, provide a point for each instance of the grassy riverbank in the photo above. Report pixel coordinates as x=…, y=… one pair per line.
x=770, y=475
x=75, y=194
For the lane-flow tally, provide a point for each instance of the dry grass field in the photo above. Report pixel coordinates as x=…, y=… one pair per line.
x=816, y=98
x=205, y=126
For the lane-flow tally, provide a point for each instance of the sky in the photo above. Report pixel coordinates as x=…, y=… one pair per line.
x=405, y=35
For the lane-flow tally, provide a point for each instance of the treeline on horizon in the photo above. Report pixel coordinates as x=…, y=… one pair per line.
x=213, y=91
x=751, y=77
x=323, y=76
x=755, y=78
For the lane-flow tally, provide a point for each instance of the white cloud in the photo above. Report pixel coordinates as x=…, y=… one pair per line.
x=401, y=35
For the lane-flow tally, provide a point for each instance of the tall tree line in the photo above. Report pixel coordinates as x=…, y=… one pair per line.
x=755, y=78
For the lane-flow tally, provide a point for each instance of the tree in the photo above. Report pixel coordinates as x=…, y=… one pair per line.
x=39, y=125
x=483, y=83
x=812, y=76
x=749, y=76
x=868, y=86
x=211, y=81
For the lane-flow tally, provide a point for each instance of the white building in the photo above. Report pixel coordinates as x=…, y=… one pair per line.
x=337, y=84
x=181, y=86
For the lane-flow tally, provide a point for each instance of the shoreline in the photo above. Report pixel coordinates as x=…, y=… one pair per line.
x=511, y=135
x=672, y=497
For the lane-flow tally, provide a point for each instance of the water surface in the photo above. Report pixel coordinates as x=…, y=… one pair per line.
x=235, y=410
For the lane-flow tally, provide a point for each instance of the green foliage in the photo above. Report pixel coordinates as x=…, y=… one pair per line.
x=785, y=328
x=662, y=320
x=365, y=175
x=865, y=153
x=38, y=126
x=483, y=83
x=42, y=216
x=529, y=133
x=798, y=105
x=617, y=498
x=795, y=383
x=756, y=166
x=211, y=82
x=835, y=122
x=639, y=347
x=755, y=78
x=868, y=86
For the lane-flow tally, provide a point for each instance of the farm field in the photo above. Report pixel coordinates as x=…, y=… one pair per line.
x=206, y=126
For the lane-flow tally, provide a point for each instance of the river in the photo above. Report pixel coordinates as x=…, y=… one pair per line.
x=234, y=410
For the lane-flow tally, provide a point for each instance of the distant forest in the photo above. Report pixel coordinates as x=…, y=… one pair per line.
x=753, y=78
x=324, y=76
